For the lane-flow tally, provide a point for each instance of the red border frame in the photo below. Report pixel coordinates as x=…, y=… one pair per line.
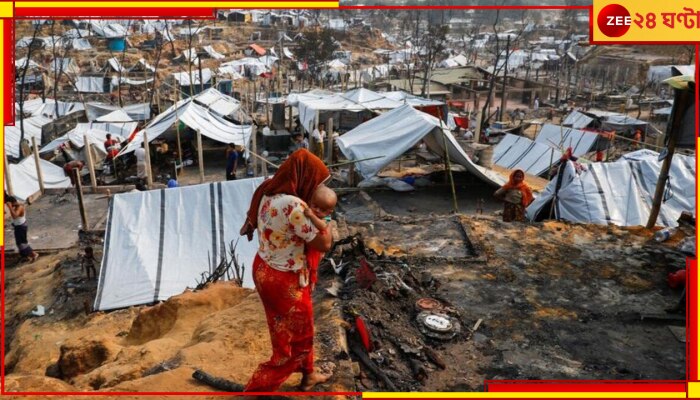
x=510, y=386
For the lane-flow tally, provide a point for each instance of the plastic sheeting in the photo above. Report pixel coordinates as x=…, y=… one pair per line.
x=25, y=181
x=108, y=30
x=621, y=192
x=32, y=128
x=577, y=120
x=581, y=142
x=90, y=84
x=218, y=102
x=355, y=100
x=518, y=152
x=415, y=101
x=159, y=242
x=185, y=79
x=22, y=63
x=80, y=44
x=213, y=53
x=137, y=112
x=393, y=133
x=198, y=117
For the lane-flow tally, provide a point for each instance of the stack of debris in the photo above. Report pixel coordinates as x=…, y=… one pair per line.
x=398, y=324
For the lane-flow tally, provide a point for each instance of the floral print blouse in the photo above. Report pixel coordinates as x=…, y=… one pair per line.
x=283, y=230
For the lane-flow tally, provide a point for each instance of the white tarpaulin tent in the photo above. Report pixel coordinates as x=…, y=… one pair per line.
x=96, y=133
x=137, y=112
x=25, y=181
x=90, y=84
x=577, y=120
x=415, y=101
x=213, y=53
x=393, y=133
x=519, y=152
x=200, y=117
x=150, y=256
x=581, y=142
x=355, y=100
x=32, y=129
x=620, y=192
x=185, y=79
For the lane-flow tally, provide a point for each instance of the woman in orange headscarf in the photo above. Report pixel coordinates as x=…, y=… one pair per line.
x=516, y=195
x=280, y=269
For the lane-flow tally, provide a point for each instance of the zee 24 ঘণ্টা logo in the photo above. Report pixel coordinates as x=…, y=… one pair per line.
x=614, y=20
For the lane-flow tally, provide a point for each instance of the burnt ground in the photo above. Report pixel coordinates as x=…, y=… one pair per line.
x=556, y=300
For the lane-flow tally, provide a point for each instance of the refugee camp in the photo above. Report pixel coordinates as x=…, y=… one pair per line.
x=343, y=201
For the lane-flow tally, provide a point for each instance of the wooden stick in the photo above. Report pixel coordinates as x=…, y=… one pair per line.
x=39, y=175
x=200, y=152
x=81, y=201
x=329, y=141
x=254, y=151
x=149, y=176
x=8, y=180
x=90, y=163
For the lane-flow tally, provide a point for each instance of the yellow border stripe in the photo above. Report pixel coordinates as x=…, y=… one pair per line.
x=526, y=395
x=184, y=4
x=7, y=9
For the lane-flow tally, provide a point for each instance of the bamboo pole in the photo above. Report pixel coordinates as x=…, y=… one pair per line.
x=81, y=200
x=39, y=175
x=255, y=150
x=200, y=152
x=8, y=179
x=329, y=141
x=149, y=172
x=682, y=98
x=90, y=163
x=449, y=171
x=177, y=134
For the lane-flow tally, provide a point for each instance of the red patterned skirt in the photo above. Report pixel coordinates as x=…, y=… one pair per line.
x=290, y=320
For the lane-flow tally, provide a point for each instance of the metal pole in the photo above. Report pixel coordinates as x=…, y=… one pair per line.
x=90, y=163
x=39, y=175
x=8, y=180
x=149, y=173
x=200, y=150
x=81, y=201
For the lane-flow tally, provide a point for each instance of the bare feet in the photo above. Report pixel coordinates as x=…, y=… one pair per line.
x=33, y=257
x=313, y=379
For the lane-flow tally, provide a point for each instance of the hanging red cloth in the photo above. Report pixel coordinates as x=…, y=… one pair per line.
x=290, y=321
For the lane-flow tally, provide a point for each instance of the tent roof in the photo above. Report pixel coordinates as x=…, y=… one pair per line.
x=32, y=128
x=519, y=152
x=115, y=116
x=393, y=133
x=355, y=100
x=198, y=117
x=415, y=101
x=165, y=259
x=581, y=142
x=185, y=79
x=25, y=181
x=577, y=120
x=137, y=112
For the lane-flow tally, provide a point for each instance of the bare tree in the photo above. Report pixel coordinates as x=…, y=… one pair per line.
x=434, y=45
x=497, y=66
x=25, y=68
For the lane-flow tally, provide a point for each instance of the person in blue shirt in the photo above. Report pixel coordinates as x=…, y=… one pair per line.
x=231, y=162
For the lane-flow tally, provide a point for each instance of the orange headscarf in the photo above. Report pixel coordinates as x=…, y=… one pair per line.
x=298, y=176
x=522, y=186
